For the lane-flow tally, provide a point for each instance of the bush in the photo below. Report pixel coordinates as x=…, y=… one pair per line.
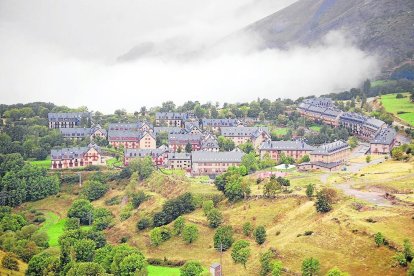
x=310, y=267
x=308, y=233
x=247, y=229
x=400, y=259
x=324, y=200
x=72, y=224
x=191, y=268
x=241, y=252
x=215, y=218
x=9, y=261
x=113, y=201
x=174, y=208
x=336, y=272
x=223, y=238
x=138, y=198
x=379, y=239
x=190, y=233
x=178, y=226
x=260, y=234
x=143, y=223
x=277, y=268
x=39, y=219
x=94, y=190
x=83, y=210
x=207, y=206
x=310, y=188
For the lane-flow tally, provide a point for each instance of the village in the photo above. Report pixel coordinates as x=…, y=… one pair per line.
x=192, y=143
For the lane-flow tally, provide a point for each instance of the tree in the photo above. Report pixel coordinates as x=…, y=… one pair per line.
x=310, y=188
x=178, y=226
x=207, y=206
x=247, y=229
x=38, y=265
x=9, y=261
x=368, y=158
x=250, y=162
x=190, y=233
x=173, y=208
x=277, y=268
x=223, y=238
x=86, y=269
x=260, y=234
x=158, y=235
x=241, y=252
x=132, y=264
x=143, y=223
x=188, y=147
x=143, y=166
x=14, y=189
x=247, y=147
x=84, y=250
x=353, y=142
x=94, y=190
x=271, y=187
x=191, y=268
x=72, y=224
x=83, y=210
x=225, y=144
x=284, y=182
x=215, y=218
x=379, y=239
x=336, y=272
x=265, y=262
x=324, y=200
x=310, y=267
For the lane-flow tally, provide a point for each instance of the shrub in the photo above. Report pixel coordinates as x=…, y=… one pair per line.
x=247, y=229
x=191, y=268
x=308, y=233
x=277, y=268
x=207, y=206
x=265, y=262
x=190, y=233
x=223, y=238
x=336, y=272
x=39, y=219
x=310, y=188
x=400, y=259
x=379, y=239
x=241, y=252
x=94, y=190
x=310, y=267
x=138, y=198
x=113, y=201
x=215, y=218
x=9, y=261
x=143, y=223
x=178, y=226
x=174, y=208
x=408, y=251
x=72, y=224
x=260, y=234
x=83, y=210
x=324, y=201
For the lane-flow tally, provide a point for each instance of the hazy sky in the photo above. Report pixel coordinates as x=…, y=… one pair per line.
x=66, y=52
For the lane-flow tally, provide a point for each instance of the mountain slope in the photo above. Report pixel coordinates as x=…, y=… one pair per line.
x=383, y=27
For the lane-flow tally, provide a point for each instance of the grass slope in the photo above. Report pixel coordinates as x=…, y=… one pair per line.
x=402, y=108
x=8, y=272
x=41, y=163
x=54, y=228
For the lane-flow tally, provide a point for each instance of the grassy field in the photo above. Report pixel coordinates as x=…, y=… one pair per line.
x=280, y=131
x=113, y=162
x=315, y=128
x=54, y=227
x=42, y=163
x=402, y=108
x=163, y=271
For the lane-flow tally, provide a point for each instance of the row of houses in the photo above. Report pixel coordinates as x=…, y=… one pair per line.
x=69, y=120
x=382, y=138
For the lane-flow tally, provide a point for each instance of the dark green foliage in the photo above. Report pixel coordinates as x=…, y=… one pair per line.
x=84, y=250
x=215, y=218
x=323, y=203
x=138, y=198
x=93, y=189
x=72, y=224
x=408, y=250
x=83, y=210
x=173, y=208
x=191, y=268
x=41, y=264
x=310, y=188
x=86, y=269
x=232, y=185
x=379, y=239
x=223, y=238
x=113, y=201
x=266, y=262
x=143, y=166
x=178, y=226
x=310, y=267
x=188, y=148
x=144, y=223
x=102, y=219
x=225, y=144
x=260, y=234
x=271, y=187
x=9, y=261
x=250, y=161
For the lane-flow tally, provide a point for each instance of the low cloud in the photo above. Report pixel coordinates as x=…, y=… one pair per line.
x=38, y=70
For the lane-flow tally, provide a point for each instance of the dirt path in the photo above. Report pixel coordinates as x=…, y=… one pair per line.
x=376, y=198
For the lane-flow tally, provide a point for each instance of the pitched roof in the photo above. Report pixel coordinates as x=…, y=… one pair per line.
x=384, y=136
x=220, y=122
x=145, y=152
x=184, y=138
x=211, y=156
x=72, y=153
x=169, y=130
x=127, y=135
x=179, y=156
x=75, y=132
x=173, y=116
x=209, y=143
x=69, y=116
x=242, y=131
x=129, y=126
x=329, y=148
x=285, y=145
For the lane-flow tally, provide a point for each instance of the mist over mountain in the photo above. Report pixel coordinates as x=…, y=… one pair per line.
x=379, y=27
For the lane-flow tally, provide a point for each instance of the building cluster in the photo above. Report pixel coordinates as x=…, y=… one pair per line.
x=382, y=138
x=192, y=143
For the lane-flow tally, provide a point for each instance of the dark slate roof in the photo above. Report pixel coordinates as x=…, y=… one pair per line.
x=220, y=122
x=128, y=126
x=285, y=145
x=169, y=130
x=374, y=123
x=173, y=116
x=70, y=116
x=327, y=165
x=179, y=156
x=241, y=131
x=75, y=132
x=211, y=156
x=127, y=134
x=322, y=102
x=189, y=126
x=329, y=148
x=184, y=138
x=145, y=152
x=384, y=136
x=71, y=153
x=209, y=143
x=353, y=117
